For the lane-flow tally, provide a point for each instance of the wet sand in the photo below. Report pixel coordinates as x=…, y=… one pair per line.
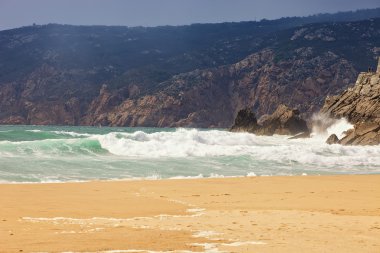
x=252, y=214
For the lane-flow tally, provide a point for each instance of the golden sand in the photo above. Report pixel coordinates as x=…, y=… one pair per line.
x=254, y=214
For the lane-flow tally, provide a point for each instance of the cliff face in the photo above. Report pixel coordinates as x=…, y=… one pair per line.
x=34, y=100
x=100, y=76
x=212, y=98
x=360, y=104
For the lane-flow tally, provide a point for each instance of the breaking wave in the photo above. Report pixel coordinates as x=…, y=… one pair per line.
x=181, y=143
x=42, y=154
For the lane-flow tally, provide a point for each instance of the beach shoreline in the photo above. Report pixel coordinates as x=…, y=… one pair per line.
x=339, y=213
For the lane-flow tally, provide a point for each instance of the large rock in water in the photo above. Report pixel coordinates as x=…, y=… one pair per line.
x=333, y=139
x=283, y=121
x=361, y=106
x=245, y=121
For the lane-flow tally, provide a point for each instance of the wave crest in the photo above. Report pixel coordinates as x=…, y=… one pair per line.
x=181, y=143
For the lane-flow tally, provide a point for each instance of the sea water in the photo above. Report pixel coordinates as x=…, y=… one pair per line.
x=62, y=154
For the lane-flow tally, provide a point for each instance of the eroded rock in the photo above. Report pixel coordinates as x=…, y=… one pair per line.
x=284, y=121
x=361, y=106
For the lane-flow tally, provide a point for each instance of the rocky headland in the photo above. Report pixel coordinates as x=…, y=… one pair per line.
x=360, y=105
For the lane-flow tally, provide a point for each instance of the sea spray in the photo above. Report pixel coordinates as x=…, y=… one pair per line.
x=323, y=126
x=340, y=127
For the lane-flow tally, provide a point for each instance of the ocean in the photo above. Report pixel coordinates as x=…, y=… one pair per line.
x=33, y=154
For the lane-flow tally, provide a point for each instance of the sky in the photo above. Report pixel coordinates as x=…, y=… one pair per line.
x=16, y=13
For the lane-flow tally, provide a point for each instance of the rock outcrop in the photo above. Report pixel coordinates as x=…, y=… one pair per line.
x=360, y=105
x=245, y=121
x=333, y=139
x=366, y=133
x=284, y=121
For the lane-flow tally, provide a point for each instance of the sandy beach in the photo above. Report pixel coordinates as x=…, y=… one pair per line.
x=251, y=214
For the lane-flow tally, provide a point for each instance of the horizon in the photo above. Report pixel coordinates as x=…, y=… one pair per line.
x=135, y=14
x=179, y=25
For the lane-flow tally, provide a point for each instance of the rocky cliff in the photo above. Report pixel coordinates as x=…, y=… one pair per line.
x=212, y=97
x=196, y=76
x=360, y=104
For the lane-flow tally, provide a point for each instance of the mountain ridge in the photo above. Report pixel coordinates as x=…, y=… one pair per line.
x=93, y=79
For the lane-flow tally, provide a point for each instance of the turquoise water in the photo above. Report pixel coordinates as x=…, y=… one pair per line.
x=60, y=154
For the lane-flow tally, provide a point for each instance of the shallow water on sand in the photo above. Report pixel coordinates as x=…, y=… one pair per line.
x=60, y=154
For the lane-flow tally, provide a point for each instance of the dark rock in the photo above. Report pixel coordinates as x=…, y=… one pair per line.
x=333, y=139
x=245, y=121
x=284, y=121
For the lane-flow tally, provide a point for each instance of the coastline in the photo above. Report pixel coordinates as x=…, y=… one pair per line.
x=339, y=213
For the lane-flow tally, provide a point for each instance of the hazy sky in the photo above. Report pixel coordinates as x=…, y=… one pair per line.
x=16, y=13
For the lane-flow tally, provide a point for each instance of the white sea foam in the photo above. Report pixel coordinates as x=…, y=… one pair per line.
x=195, y=210
x=237, y=244
x=339, y=127
x=73, y=134
x=188, y=177
x=205, y=234
x=195, y=143
x=209, y=247
x=180, y=154
x=181, y=143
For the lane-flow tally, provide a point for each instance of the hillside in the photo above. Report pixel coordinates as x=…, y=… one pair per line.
x=198, y=75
